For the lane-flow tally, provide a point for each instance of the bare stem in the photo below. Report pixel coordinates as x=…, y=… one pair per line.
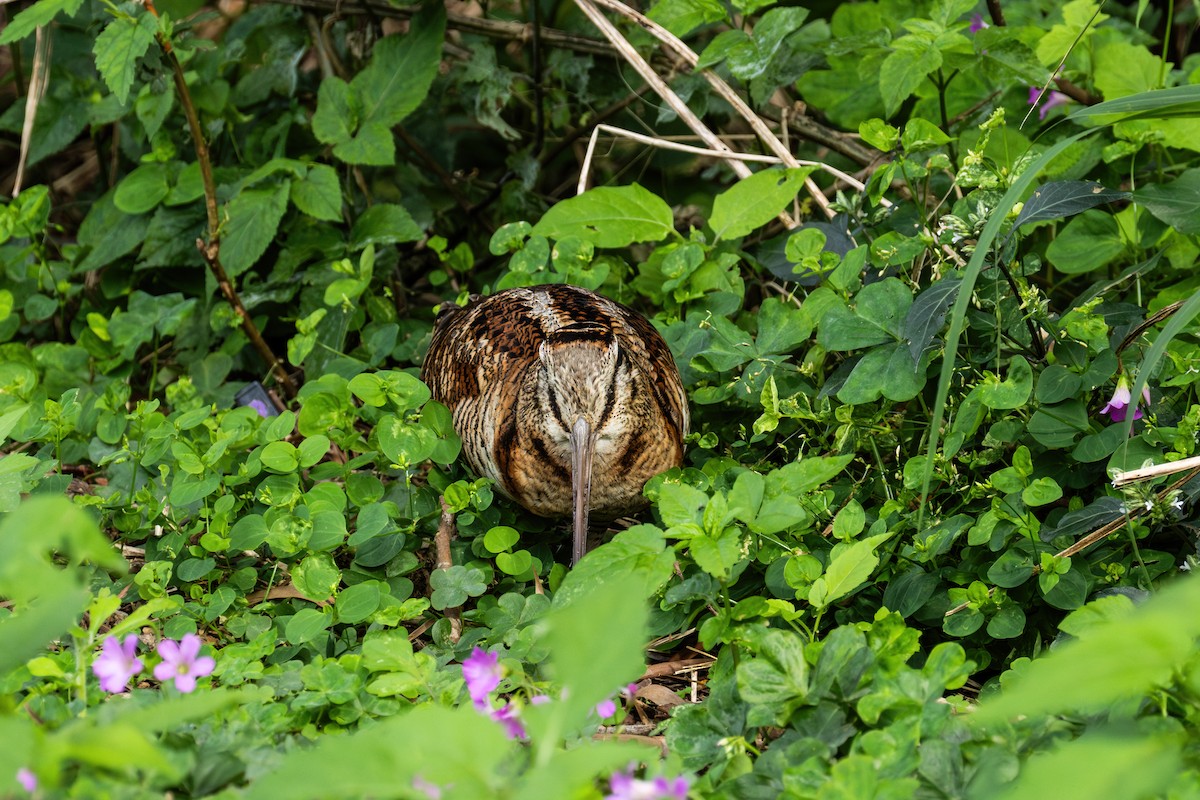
x=211, y=248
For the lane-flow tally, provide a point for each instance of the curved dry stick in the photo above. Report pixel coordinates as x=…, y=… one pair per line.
x=699, y=151
x=689, y=56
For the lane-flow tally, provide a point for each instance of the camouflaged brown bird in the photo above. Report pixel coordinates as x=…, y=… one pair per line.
x=569, y=401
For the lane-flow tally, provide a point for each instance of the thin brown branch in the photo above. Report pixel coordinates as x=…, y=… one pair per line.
x=446, y=530
x=211, y=249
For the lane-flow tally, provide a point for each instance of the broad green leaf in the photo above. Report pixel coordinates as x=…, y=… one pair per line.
x=1162, y=636
x=306, y=625
x=1123, y=69
x=467, y=754
x=751, y=58
x=849, y=567
x=1090, y=241
x=888, y=371
x=681, y=17
x=1013, y=391
x=109, y=233
x=877, y=317
x=1116, y=762
x=35, y=16
x=1059, y=199
x=254, y=217
x=927, y=314
x=318, y=194
x=754, y=201
x=402, y=69
x=921, y=134
x=615, y=610
x=911, y=61
x=609, y=216
x=317, y=577
x=1176, y=203
x=384, y=223
x=118, y=48
x=143, y=189
x=338, y=109
x=371, y=145
x=358, y=602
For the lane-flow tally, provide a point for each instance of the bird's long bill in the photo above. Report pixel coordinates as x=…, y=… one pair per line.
x=582, y=444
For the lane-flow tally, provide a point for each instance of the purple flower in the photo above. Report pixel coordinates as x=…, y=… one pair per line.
x=27, y=779
x=182, y=662
x=1053, y=100
x=481, y=671
x=977, y=23
x=1117, y=405
x=507, y=717
x=606, y=708
x=624, y=786
x=427, y=788
x=117, y=663
x=260, y=407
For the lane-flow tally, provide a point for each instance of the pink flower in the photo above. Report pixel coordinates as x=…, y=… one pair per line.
x=977, y=23
x=117, y=663
x=182, y=662
x=507, y=717
x=427, y=788
x=27, y=779
x=1053, y=100
x=481, y=671
x=606, y=708
x=623, y=786
x=1117, y=405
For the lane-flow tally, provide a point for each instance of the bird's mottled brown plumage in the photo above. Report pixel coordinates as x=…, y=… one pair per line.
x=528, y=372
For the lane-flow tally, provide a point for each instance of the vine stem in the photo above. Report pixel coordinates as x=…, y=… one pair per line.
x=211, y=249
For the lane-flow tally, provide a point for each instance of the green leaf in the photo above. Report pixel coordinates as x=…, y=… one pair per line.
x=254, y=217
x=1040, y=492
x=358, y=602
x=849, y=567
x=35, y=16
x=888, y=371
x=1162, y=637
x=318, y=194
x=337, y=112
x=754, y=201
x=1013, y=391
x=306, y=625
x=280, y=457
x=500, y=538
x=1059, y=199
x=402, y=69
x=878, y=315
x=927, y=314
x=317, y=577
x=613, y=609
x=921, y=134
x=609, y=216
x=109, y=233
x=1090, y=241
x=1176, y=203
x=118, y=48
x=751, y=57
x=143, y=189
x=778, y=673
x=384, y=223
x=467, y=753
x=879, y=134
x=910, y=62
